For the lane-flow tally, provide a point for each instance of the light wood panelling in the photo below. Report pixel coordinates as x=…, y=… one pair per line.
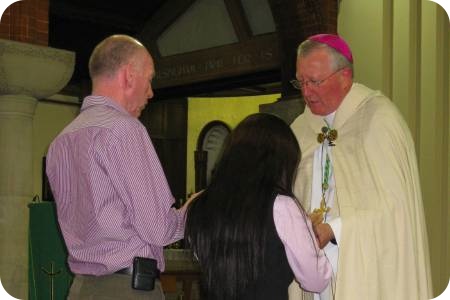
x=387, y=53
x=433, y=129
x=402, y=48
x=442, y=87
x=406, y=63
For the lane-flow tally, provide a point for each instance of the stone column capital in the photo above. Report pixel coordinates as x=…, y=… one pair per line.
x=17, y=105
x=32, y=70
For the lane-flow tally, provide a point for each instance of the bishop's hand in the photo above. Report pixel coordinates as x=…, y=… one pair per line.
x=316, y=217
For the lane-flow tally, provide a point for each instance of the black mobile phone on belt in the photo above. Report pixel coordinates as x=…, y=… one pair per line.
x=145, y=272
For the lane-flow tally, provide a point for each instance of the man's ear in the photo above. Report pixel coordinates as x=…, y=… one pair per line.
x=128, y=76
x=122, y=77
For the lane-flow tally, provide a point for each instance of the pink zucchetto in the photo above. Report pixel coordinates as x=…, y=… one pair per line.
x=335, y=42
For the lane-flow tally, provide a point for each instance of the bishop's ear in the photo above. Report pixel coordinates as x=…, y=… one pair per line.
x=348, y=72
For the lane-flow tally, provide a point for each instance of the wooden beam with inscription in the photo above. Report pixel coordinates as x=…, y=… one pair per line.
x=254, y=55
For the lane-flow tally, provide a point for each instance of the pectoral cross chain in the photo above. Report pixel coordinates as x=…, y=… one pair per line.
x=324, y=209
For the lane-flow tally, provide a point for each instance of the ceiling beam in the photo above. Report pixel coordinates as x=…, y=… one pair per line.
x=239, y=19
x=69, y=11
x=160, y=20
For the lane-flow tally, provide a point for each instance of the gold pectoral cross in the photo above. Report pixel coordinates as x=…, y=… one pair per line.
x=318, y=214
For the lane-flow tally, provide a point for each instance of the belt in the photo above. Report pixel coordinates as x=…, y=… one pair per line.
x=125, y=271
x=129, y=271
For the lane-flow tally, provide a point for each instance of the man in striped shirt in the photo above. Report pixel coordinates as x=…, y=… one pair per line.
x=113, y=201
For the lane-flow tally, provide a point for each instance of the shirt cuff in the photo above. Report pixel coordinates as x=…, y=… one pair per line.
x=336, y=226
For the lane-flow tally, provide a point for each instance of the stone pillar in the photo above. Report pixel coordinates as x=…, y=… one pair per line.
x=27, y=73
x=16, y=139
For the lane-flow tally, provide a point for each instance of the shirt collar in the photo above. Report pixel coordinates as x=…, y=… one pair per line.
x=329, y=119
x=93, y=100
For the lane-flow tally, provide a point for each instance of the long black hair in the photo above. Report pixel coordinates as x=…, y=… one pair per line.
x=227, y=225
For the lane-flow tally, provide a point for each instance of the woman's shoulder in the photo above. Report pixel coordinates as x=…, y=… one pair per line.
x=284, y=201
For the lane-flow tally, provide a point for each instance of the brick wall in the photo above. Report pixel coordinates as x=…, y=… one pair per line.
x=295, y=21
x=329, y=11
x=26, y=21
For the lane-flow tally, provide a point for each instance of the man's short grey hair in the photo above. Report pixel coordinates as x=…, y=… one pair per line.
x=337, y=59
x=112, y=53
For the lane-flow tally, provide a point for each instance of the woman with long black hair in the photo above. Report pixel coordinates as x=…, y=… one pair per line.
x=249, y=233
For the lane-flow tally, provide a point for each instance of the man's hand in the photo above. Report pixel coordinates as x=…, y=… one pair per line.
x=324, y=234
x=192, y=197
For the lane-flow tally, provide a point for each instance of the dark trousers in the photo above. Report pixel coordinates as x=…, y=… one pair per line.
x=109, y=287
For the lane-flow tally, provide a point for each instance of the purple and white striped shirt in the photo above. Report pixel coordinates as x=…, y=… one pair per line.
x=113, y=201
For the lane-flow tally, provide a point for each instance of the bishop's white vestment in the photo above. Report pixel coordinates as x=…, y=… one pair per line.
x=383, y=247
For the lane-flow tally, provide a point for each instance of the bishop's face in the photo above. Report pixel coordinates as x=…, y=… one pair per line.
x=323, y=87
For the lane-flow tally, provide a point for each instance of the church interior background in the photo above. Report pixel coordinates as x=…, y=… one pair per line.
x=216, y=60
